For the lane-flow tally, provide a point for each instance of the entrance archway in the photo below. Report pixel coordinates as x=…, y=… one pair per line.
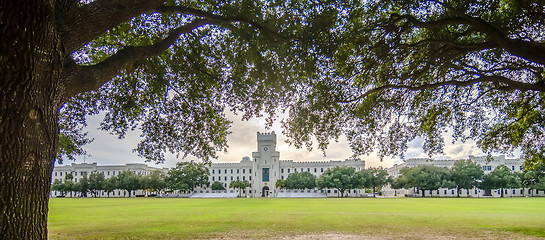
x=265, y=191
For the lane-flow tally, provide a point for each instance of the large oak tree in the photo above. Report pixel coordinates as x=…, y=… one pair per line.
x=167, y=67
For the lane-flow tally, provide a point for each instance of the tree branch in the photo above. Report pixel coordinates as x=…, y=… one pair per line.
x=166, y=9
x=531, y=51
x=394, y=17
x=85, y=23
x=79, y=79
x=511, y=85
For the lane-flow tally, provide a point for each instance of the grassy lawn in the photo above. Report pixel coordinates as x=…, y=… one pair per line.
x=431, y=218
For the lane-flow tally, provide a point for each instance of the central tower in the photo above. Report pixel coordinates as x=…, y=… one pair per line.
x=265, y=165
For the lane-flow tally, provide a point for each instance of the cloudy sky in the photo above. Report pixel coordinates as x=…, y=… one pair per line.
x=107, y=149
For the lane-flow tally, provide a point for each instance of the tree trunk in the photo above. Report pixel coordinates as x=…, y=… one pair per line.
x=457, y=191
x=29, y=102
x=501, y=189
x=423, y=193
x=374, y=191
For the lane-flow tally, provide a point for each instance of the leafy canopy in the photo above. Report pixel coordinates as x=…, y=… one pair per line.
x=406, y=69
x=381, y=72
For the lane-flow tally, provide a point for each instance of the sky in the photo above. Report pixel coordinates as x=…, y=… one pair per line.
x=107, y=149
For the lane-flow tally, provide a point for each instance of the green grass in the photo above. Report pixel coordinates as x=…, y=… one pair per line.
x=150, y=218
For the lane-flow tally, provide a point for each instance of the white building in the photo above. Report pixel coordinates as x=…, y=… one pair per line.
x=488, y=165
x=79, y=170
x=262, y=171
x=265, y=168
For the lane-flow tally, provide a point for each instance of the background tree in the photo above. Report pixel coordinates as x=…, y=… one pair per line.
x=340, y=178
x=110, y=185
x=500, y=178
x=96, y=183
x=154, y=182
x=423, y=177
x=69, y=185
x=82, y=186
x=217, y=186
x=280, y=184
x=188, y=175
x=540, y=176
x=527, y=179
x=58, y=185
x=240, y=184
x=376, y=178
x=465, y=174
x=301, y=180
x=129, y=181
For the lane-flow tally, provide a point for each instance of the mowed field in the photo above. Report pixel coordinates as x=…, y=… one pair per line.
x=329, y=218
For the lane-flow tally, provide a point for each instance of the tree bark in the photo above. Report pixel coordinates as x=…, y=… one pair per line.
x=29, y=101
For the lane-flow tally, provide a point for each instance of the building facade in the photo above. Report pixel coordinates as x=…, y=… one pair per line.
x=265, y=168
x=81, y=169
x=488, y=165
x=261, y=171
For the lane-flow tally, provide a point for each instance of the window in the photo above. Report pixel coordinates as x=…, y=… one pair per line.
x=288, y=170
x=213, y=179
x=61, y=174
x=513, y=191
x=314, y=169
x=225, y=171
x=243, y=178
x=520, y=168
x=512, y=168
x=55, y=174
x=265, y=175
x=75, y=179
x=281, y=171
x=301, y=169
x=231, y=171
x=250, y=178
x=238, y=178
x=489, y=168
x=308, y=169
x=225, y=178
x=213, y=171
x=452, y=191
x=445, y=192
x=282, y=177
x=108, y=173
x=250, y=170
x=322, y=169
x=231, y=178
x=75, y=173
x=244, y=170
x=238, y=171
x=114, y=173
x=476, y=191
